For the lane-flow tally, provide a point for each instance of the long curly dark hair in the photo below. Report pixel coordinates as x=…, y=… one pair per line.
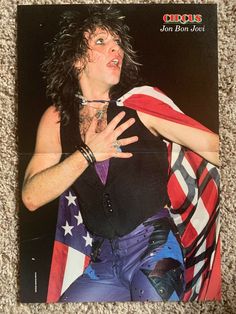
x=70, y=44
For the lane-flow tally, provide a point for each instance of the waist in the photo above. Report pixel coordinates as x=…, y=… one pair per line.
x=143, y=227
x=159, y=224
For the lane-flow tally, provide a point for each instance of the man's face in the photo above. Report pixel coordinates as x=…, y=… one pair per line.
x=104, y=59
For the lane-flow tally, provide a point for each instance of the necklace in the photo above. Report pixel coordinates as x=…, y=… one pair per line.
x=84, y=101
x=85, y=121
x=100, y=112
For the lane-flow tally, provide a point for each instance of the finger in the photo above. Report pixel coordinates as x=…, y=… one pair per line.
x=122, y=155
x=127, y=141
x=114, y=122
x=124, y=126
x=92, y=127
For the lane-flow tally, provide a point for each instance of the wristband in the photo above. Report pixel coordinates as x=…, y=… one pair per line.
x=87, y=153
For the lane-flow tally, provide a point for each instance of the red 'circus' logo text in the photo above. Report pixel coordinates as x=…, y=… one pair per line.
x=182, y=18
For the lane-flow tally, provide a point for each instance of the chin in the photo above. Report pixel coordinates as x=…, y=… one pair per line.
x=113, y=77
x=114, y=80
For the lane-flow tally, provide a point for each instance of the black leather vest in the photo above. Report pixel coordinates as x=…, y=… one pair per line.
x=136, y=188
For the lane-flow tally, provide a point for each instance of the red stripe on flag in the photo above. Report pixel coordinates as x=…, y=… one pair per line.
x=189, y=235
x=175, y=192
x=187, y=212
x=60, y=252
x=158, y=108
x=203, y=176
x=211, y=291
x=189, y=273
x=210, y=196
x=194, y=159
x=187, y=295
x=204, y=284
x=214, y=286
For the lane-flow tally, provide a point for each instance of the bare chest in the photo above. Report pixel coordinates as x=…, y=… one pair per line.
x=85, y=121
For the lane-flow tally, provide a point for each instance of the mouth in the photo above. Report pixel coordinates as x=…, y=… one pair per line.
x=115, y=63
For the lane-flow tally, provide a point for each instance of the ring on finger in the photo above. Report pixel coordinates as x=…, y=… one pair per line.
x=117, y=146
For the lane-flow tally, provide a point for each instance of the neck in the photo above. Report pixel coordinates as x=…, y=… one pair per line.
x=95, y=92
x=91, y=105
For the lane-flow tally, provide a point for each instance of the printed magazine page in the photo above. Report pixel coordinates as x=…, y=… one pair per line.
x=118, y=146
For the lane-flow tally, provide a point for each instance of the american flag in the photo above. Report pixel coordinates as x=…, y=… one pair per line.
x=193, y=191
x=72, y=247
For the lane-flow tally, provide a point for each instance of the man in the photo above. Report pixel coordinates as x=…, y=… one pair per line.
x=89, y=63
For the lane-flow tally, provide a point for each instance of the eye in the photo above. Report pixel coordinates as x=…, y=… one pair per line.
x=118, y=41
x=99, y=41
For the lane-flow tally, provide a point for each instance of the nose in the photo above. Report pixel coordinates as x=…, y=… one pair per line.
x=115, y=47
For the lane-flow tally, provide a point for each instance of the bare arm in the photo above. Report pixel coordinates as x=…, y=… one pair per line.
x=46, y=178
x=44, y=172
x=204, y=143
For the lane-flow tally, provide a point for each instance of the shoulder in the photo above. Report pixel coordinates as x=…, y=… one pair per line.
x=153, y=107
x=51, y=115
x=156, y=96
x=49, y=126
x=146, y=96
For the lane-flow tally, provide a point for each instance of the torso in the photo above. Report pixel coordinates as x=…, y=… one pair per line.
x=145, y=175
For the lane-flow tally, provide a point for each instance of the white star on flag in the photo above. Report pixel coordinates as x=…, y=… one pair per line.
x=71, y=199
x=88, y=240
x=79, y=219
x=67, y=228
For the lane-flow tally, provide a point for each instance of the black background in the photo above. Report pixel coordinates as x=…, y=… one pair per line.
x=182, y=64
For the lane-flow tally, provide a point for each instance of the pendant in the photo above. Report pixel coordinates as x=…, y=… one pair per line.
x=99, y=114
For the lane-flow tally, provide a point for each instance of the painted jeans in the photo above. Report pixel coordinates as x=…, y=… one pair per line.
x=144, y=265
